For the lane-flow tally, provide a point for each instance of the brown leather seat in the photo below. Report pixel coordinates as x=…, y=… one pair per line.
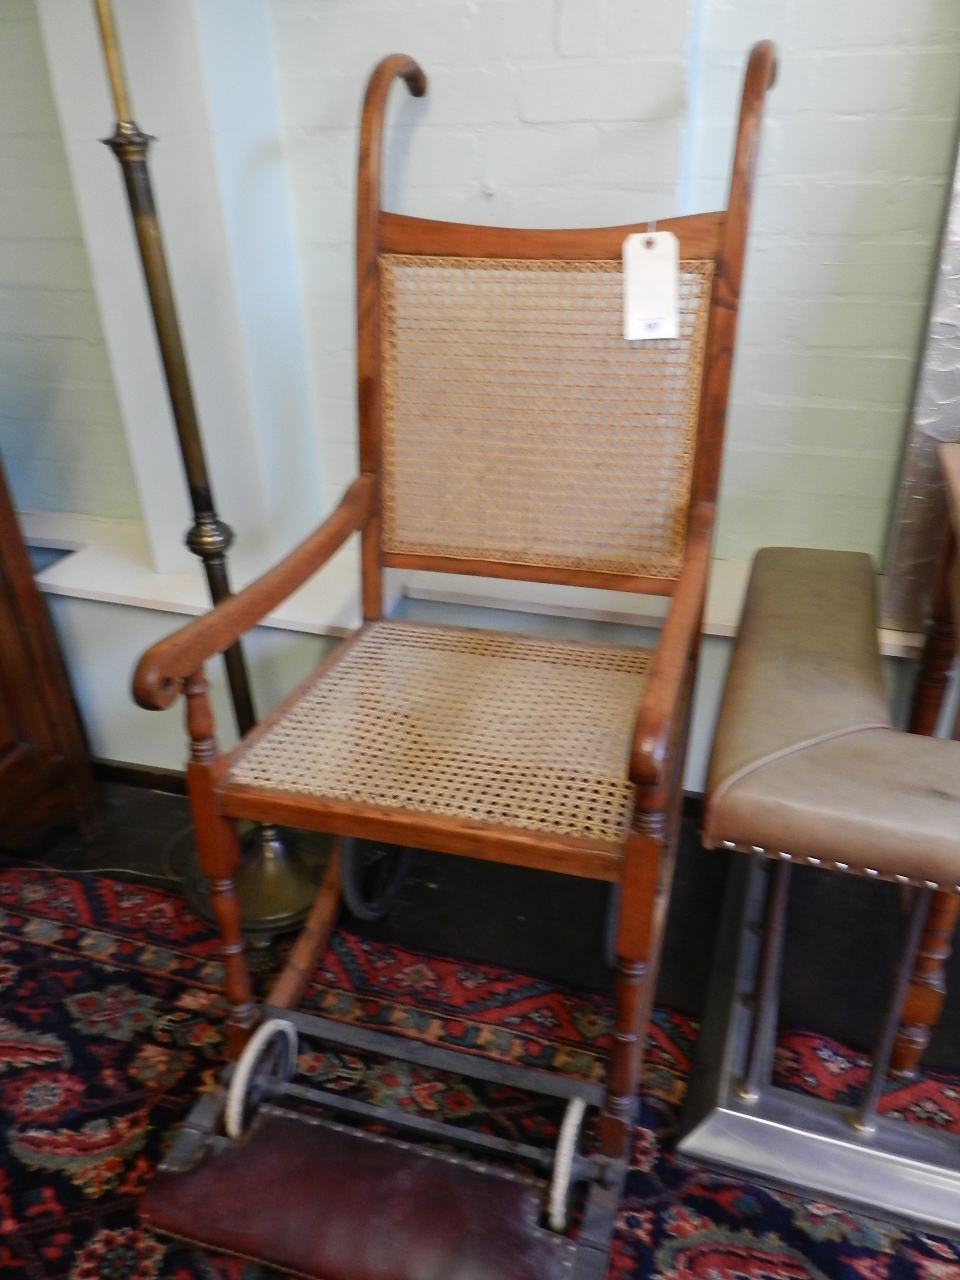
x=806, y=764
x=346, y=1205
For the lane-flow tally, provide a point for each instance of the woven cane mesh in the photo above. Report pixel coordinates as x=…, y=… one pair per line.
x=497, y=728
x=519, y=426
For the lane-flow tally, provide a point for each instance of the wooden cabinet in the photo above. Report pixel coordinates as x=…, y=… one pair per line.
x=45, y=775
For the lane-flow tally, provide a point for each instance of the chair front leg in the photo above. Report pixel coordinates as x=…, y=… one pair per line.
x=928, y=986
x=219, y=852
x=638, y=905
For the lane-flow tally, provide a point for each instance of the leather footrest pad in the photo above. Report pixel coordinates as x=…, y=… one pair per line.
x=338, y=1204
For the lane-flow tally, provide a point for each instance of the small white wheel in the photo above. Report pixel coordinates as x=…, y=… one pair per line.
x=276, y=1038
x=567, y=1141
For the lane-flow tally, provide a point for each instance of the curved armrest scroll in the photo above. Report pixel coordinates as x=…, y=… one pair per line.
x=658, y=706
x=161, y=670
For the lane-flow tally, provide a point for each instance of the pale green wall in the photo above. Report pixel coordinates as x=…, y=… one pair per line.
x=858, y=148
x=103, y=644
x=61, y=437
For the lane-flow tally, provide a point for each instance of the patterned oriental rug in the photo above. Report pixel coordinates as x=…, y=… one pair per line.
x=109, y=1016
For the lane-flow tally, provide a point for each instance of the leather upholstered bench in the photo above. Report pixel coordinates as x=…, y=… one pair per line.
x=806, y=765
x=807, y=768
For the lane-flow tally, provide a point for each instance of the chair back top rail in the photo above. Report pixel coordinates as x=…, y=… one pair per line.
x=700, y=236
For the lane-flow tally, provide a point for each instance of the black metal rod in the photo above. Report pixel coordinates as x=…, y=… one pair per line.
x=532, y=1079
x=539, y=1157
x=865, y=1117
x=209, y=537
x=764, y=1032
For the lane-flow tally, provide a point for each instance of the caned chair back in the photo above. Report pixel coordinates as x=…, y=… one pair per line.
x=518, y=426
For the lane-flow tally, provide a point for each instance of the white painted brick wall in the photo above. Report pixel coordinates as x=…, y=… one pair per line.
x=557, y=112
x=858, y=149
x=539, y=113
x=553, y=112
x=61, y=436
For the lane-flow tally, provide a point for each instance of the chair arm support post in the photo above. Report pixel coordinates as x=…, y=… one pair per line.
x=219, y=851
x=657, y=714
x=163, y=668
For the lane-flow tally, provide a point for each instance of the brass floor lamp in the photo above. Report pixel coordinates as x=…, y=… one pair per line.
x=275, y=888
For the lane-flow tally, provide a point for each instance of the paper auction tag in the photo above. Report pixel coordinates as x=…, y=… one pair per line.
x=651, y=286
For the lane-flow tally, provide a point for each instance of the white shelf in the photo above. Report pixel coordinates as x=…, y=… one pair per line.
x=110, y=562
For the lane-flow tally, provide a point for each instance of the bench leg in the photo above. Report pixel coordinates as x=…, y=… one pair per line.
x=763, y=1036
x=928, y=987
x=864, y=1118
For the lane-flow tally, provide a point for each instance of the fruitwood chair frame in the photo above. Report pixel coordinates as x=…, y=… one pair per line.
x=642, y=863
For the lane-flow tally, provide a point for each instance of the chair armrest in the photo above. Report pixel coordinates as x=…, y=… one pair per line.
x=156, y=683
x=658, y=706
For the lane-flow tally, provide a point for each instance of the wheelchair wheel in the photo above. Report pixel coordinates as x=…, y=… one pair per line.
x=561, y=1183
x=271, y=1052
x=372, y=876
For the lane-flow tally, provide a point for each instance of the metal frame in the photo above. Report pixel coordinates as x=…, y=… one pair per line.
x=202, y=1131
x=737, y=1119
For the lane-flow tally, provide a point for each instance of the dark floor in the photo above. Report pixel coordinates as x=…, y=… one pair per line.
x=841, y=940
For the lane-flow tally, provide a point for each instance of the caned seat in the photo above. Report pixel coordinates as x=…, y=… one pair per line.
x=506, y=429
x=475, y=726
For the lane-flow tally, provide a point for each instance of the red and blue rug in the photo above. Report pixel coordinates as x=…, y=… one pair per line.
x=109, y=1017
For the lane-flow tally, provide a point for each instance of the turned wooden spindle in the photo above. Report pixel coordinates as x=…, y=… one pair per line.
x=219, y=851
x=928, y=988
x=925, y=995
x=636, y=937
x=617, y=1119
x=938, y=652
x=200, y=723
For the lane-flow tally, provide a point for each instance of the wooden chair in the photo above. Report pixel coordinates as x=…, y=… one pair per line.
x=506, y=430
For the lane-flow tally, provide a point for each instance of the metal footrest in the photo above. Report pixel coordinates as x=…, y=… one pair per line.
x=283, y=1190
x=340, y=1204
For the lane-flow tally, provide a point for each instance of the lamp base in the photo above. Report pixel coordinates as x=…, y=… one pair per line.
x=274, y=883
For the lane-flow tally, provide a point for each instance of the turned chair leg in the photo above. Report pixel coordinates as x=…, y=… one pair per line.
x=637, y=931
x=928, y=987
x=219, y=853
